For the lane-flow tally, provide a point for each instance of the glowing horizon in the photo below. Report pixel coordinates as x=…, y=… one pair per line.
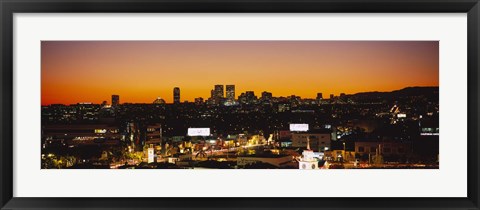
x=141, y=71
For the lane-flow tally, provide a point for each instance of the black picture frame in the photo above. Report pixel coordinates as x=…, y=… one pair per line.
x=9, y=7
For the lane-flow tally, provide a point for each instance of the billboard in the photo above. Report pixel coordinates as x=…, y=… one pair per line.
x=199, y=132
x=298, y=127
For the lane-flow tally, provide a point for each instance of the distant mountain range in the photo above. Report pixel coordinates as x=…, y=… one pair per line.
x=429, y=92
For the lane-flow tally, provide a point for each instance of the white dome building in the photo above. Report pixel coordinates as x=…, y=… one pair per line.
x=159, y=101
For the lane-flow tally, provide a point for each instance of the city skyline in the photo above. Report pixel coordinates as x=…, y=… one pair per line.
x=141, y=71
x=227, y=95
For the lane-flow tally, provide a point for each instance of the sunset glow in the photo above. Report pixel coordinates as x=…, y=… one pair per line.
x=141, y=71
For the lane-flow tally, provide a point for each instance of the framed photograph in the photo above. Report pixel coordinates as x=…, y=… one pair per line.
x=239, y=104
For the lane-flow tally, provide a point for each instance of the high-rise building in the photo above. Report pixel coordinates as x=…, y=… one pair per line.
x=176, y=95
x=219, y=91
x=115, y=100
x=218, y=97
x=230, y=92
x=212, y=93
x=266, y=97
x=319, y=98
x=248, y=97
x=211, y=100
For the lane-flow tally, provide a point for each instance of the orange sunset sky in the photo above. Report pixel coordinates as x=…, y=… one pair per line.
x=141, y=71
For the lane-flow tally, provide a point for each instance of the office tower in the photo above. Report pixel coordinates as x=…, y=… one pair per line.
x=212, y=94
x=319, y=98
x=115, y=100
x=250, y=97
x=219, y=91
x=266, y=95
x=176, y=95
x=218, y=94
x=211, y=99
x=230, y=92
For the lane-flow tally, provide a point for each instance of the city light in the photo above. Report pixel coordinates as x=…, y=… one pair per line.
x=306, y=105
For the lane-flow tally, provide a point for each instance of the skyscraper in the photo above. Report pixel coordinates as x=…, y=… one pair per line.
x=219, y=91
x=319, y=98
x=115, y=100
x=176, y=95
x=212, y=93
x=219, y=95
x=211, y=100
x=230, y=92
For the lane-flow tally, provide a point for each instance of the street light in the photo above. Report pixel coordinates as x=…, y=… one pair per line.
x=344, y=152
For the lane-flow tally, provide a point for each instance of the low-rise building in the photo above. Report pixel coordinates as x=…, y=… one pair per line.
x=82, y=134
x=318, y=139
x=386, y=149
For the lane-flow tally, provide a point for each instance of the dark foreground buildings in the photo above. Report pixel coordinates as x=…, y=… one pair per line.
x=396, y=129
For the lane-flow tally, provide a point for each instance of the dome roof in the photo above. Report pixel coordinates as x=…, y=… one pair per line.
x=159, y=101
